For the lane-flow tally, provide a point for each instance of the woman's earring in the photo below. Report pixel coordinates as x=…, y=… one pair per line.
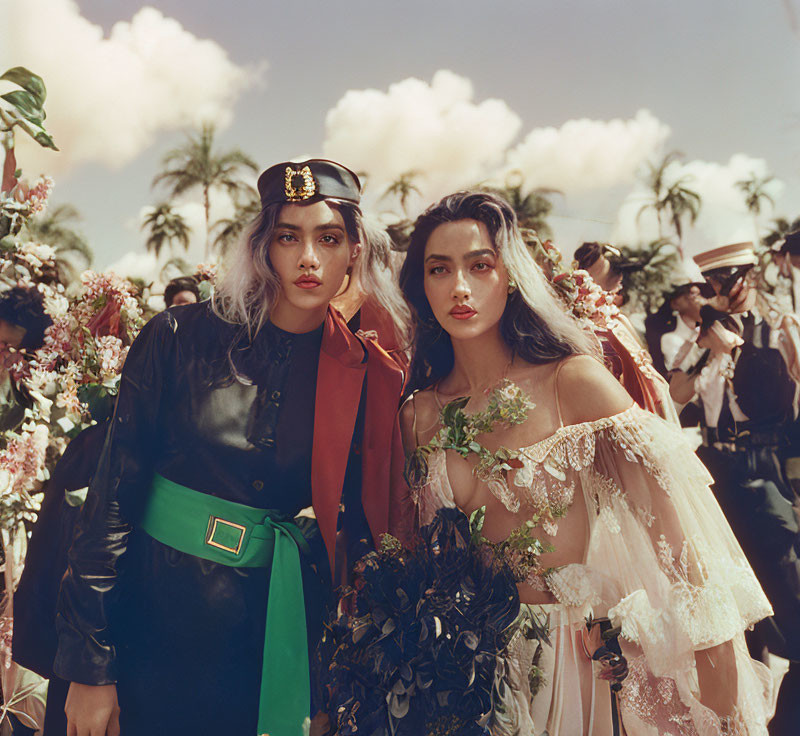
x=512, y=286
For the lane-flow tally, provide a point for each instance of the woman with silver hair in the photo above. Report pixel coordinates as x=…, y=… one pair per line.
x=229, y=492
x=646, y=591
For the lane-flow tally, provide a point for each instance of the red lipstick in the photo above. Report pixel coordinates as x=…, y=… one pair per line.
x=462, y=311
x=307, y=281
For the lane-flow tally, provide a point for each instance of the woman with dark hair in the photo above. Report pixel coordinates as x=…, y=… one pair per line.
x=230, y=485
x=619, y=504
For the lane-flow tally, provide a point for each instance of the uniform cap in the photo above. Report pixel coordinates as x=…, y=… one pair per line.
x=728, y=256
x=308, y=181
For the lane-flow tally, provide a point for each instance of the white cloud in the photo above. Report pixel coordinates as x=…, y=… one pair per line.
x=723, y=218
x=437, y=129
x=441, y=131
x=588, y=154
x=137, y=264
x=109, y=96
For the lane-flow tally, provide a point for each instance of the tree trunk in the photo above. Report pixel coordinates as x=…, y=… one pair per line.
x=207, y=207
x=679, y=232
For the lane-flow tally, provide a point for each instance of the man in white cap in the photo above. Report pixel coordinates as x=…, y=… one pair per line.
x=747, y=391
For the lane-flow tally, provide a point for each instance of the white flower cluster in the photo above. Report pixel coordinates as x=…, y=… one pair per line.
x=590, y=302
x=24, y=201
x=22, y=471
x=35, y=255
x=82, y=356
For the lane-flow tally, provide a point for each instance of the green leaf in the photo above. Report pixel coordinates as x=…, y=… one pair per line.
x=26, y=104
x=45, y=139
x=452, y=409
x=37, y=132
x=29, y=81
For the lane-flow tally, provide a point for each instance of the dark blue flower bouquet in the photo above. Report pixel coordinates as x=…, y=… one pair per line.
x=414, y=646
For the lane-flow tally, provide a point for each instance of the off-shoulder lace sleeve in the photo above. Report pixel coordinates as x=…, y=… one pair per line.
x=646, y=484
x=670, y=572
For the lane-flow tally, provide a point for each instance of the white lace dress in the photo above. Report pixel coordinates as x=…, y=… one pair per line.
x=660, y=561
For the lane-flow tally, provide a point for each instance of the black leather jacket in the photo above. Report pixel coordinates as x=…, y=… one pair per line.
x=205, y=408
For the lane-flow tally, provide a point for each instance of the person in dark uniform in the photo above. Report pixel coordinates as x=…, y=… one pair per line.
x=34, y=641
x=250, y=453
x=748, y=398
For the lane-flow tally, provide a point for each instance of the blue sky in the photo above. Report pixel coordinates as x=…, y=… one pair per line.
x=721, y=75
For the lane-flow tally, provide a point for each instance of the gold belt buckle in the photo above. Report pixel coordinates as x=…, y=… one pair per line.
x=215, y=524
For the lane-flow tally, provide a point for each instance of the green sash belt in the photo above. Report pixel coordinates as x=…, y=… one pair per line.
x=241, y=536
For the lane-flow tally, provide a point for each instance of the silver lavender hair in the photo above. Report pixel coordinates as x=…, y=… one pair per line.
x=248, y=288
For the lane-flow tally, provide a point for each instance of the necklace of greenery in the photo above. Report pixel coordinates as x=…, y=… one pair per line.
x=508, y=406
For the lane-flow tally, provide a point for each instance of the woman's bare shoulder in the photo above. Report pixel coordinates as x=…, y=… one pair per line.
x=418, y=415
x=587, y=391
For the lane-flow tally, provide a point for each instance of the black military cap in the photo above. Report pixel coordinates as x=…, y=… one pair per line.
x=306, y=181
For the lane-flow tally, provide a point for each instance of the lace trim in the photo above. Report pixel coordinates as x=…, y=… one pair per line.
x=575, y=586
x=655, y=700
x=641, y=437
x=705, y=615
x=542, y=483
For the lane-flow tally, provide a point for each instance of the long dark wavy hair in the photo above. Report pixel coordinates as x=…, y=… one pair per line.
x=534, y=325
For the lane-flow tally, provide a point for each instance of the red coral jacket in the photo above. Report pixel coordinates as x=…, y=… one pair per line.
x=345, y=362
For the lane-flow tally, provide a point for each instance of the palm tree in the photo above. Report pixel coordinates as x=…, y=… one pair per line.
x=682, y=201
x=229, y=230
x=753, y=190
x=55, y=228
x=647, y=285
x=654, y=180
x=532, y=209
x=197, y=164
x=673, y=201
x=166, y=226
x=403, y=187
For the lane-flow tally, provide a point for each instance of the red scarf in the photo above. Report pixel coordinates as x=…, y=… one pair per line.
x=345, y=362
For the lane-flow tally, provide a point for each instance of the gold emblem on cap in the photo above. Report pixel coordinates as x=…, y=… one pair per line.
x=309, y=188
